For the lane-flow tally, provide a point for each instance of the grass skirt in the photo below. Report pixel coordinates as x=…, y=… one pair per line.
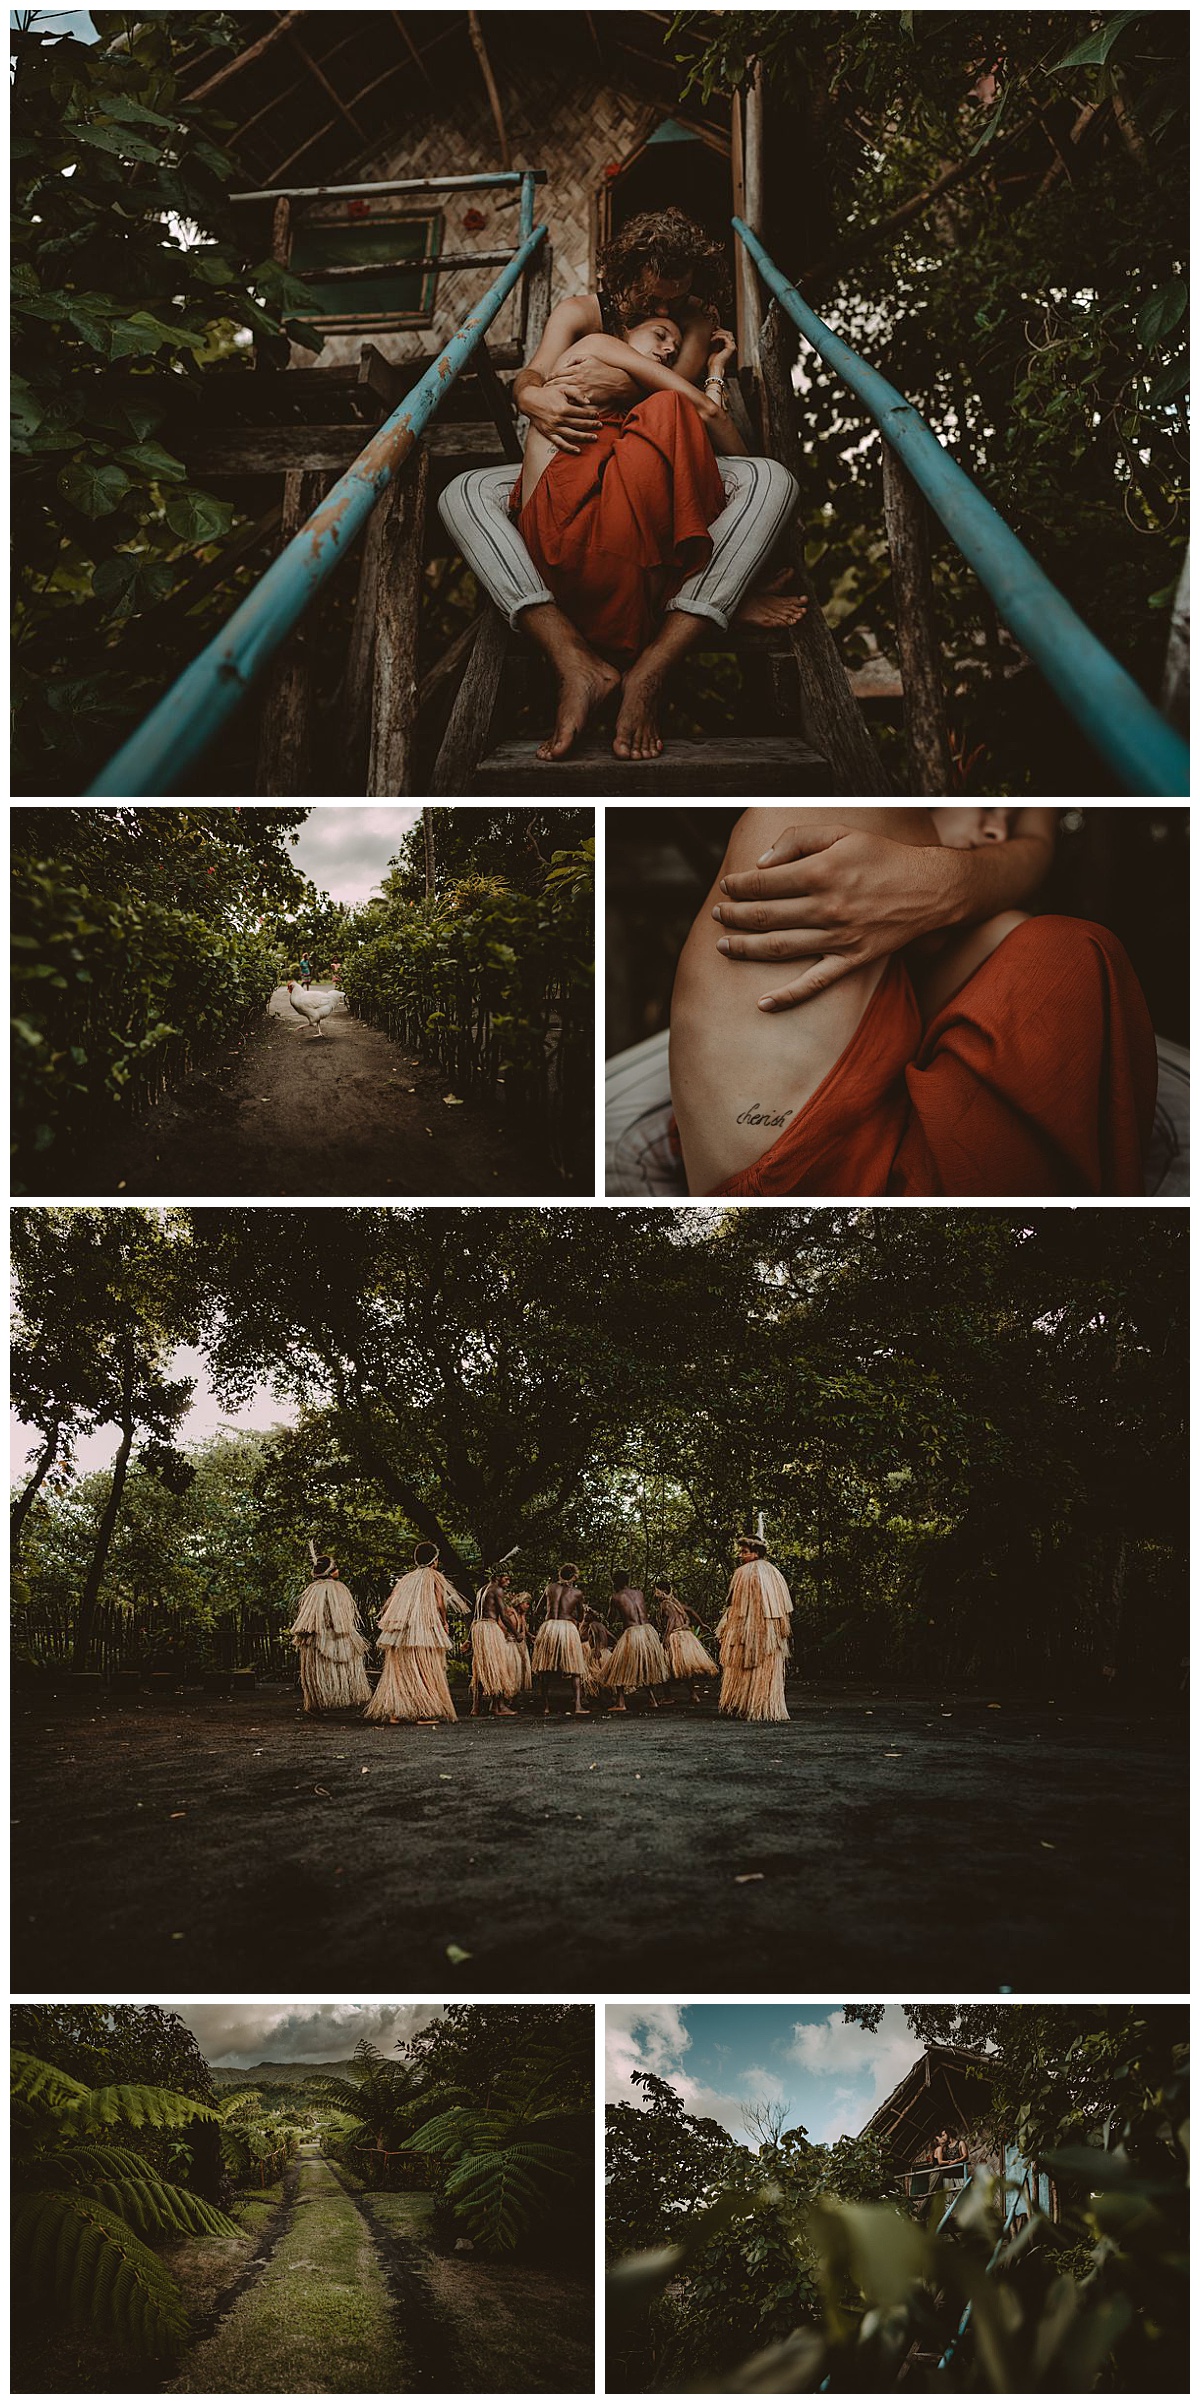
x=755, y=1694
x=558, y=1650
x=329, y=1680
x=413, y=1685
x=495, y=1660
x=637, y=1659
x=686, y=1657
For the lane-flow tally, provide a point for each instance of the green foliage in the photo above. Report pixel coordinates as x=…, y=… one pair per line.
x=506, y=2112
x=132, y=286
x=1035, y=313
x=494, y=982
x=85, y=2206
x=138, y=938
x=1001, y=2297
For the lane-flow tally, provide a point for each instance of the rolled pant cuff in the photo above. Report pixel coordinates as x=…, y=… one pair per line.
x=701, y=609
x=529, y=601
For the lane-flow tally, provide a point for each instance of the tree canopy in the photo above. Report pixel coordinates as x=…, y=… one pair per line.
x=965, y=1428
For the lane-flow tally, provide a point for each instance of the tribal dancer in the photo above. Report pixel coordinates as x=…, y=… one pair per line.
x=637, y=1658
x=686, y=1657
x=414, y=1638
x=327, y=1637
x=495, y=1659
x=558, y=1646
x=754, y=1634
x=598, y=1642
x=516, y=1612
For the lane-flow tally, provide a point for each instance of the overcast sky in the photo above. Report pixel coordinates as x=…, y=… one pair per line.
x=236, y=2036
x=345, y=849
x=204, y=1418
x=829, y=2076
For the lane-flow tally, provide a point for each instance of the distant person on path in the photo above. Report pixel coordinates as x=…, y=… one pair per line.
x=754, y=1634
x=414, y=1638
x=929, y=1037
x=686, y=1658
x=637, y=1658
x=330, y=1643
x=558, y=1646
x=306, y=971
x=495, y=1659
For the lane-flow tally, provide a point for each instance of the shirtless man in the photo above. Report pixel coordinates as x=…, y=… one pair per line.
x=660, y=263
x=558, y=1645
x=495, y=1661
x=637, y=1658
x=687, y=1660
x=840, y=890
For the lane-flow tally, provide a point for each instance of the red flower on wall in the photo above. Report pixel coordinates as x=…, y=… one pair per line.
x=358, y=208
x=612, y=170
x=474, y=221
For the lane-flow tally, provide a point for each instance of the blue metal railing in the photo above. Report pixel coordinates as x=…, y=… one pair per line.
x=182, y=725
x=1109, y=708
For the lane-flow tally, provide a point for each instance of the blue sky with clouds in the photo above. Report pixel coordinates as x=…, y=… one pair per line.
x=723, y=2057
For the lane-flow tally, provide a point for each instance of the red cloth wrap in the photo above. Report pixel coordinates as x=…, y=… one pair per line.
x=616, y=528
x=1037, y=1077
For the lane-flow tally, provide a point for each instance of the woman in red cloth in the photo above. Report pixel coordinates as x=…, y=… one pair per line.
x=615, y=529
x=1009, y=1055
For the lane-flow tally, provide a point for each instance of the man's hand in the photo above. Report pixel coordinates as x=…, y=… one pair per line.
x=562, y=412
x=837, y=898
x=721, y=349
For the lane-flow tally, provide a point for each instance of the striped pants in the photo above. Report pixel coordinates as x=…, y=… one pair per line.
x=760, y=496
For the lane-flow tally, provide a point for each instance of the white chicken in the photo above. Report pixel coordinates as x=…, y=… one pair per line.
x=312, y=1006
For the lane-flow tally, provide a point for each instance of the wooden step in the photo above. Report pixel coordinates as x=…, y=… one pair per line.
x=741, y=765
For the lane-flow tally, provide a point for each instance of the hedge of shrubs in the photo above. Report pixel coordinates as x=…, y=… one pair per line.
x=112, y=998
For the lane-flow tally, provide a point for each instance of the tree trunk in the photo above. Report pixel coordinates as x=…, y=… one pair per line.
x=906, y=520
x=430, y=854
x=24, y=1502
x=104, y=1535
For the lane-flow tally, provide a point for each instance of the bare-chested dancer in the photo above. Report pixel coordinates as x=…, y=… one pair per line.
x=687, y=1660
x=558, y=1645
x=495, y=1660
x=637, y=1658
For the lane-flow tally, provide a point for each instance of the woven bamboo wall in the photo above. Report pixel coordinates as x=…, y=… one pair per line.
x=572, y=125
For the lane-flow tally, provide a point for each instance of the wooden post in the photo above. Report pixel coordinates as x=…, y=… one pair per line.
x=284, y=748
x=777, y=357
x=401, y=561
x=832, y=720
x=752, y=165
x=498, y=400
x=907, y=522
x=470, y=723
x=360, y=657
x=1174, y=697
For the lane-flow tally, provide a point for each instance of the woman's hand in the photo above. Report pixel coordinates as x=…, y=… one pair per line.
x=837, y=898
x=563, y=412
x=721, y=349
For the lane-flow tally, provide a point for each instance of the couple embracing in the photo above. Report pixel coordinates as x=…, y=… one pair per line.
x=639, y=520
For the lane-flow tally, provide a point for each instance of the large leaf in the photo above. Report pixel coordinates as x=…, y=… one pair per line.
x=151, y=460
x=196, y=517
x=135, y=2108
x=1095, y=46
x=1161, y=313
x=94, y=486
x=79, y=2261
x=123, y=145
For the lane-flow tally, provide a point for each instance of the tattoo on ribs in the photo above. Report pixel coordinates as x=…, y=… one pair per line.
x=758, y=1116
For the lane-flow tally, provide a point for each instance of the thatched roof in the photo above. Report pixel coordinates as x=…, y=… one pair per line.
x=948, y=2086
x=316, y=95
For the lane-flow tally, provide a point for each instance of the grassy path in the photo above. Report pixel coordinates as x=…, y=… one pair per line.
x=316, y=2320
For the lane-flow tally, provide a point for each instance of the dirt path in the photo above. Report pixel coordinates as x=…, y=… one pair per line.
x=873, y=1839
x=314, y=2317
x=484, y=2327
x=284, y=1112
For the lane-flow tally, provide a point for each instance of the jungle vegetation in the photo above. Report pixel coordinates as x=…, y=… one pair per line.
x=990, y=203
x=144, y=937
x=794, y=2267
x=965, y=1428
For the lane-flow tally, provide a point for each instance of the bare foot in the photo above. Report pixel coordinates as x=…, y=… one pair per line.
x=579, y=1713
x=637, y=736
x=771, y=605
x=583, y=688
x=503, y=1712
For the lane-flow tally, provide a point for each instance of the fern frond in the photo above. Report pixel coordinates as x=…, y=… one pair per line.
x=447, y=2131
x=346, y=2093
x=501, y=2191
x=152, y=2205
x=132, y=2107
x=83, y=2263
x=39, y=2086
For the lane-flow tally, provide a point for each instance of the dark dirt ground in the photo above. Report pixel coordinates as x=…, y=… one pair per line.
x=284, y=1112
x=877, y=1842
